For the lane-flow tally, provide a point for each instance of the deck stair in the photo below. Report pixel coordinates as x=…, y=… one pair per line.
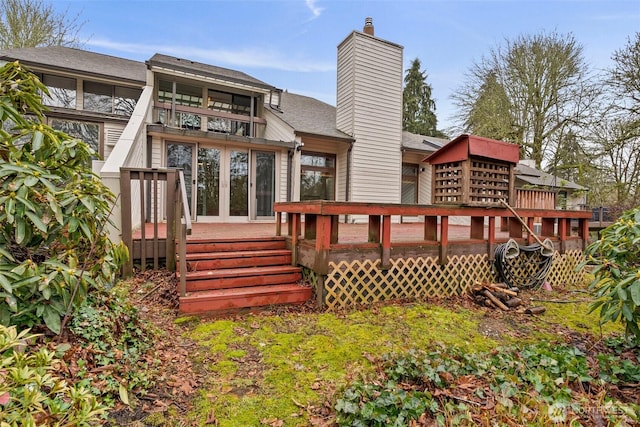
x=228, y=274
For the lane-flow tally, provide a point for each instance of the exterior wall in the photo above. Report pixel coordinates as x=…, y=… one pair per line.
x=370, y=109
x=277, y=130
x=110, y=137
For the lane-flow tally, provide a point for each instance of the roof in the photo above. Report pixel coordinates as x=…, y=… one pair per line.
x=537, y=177
x=308, y=115
x=212, y=71
x=464, y=146
x=78, y=61
x=416, y=142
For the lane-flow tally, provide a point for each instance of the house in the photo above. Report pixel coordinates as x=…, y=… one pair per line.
x=569, y=195
x=242, y=143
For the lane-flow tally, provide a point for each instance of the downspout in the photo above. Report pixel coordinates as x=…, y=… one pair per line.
x=290, y=173
x=347, y=195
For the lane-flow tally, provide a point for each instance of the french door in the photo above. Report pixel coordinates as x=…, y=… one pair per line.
x=226, y=184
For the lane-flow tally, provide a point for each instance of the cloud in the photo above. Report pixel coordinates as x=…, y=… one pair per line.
x=244, y=58
x=315, y=10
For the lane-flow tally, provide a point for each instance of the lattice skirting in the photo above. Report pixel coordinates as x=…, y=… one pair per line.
x=355, y=283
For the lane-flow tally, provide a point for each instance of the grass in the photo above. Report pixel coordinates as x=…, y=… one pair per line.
x=281, y=369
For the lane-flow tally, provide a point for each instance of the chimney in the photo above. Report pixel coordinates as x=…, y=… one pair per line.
x=368, y=26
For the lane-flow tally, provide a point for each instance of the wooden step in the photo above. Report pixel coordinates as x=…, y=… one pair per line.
x=217, y=260
x=255, y=296
x=235, y=245
x=242, y=277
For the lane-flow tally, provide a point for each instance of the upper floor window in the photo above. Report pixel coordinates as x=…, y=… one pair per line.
x=187, y=95
x=62, y=91
x=229, y=102
x=106, y=98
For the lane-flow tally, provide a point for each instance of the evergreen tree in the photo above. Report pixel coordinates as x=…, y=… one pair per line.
x=418, y=115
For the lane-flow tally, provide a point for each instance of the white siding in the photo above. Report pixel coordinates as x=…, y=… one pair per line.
x=111, y=135
x=370, y=108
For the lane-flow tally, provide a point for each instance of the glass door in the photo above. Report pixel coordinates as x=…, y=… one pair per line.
x=208, y=183
x=238, y=195
x=181, y=156
x=263, y=184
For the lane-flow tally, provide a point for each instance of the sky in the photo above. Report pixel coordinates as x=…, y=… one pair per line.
x=292, y=44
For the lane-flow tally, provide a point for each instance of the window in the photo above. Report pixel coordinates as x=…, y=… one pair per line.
x=105, y=98
x=86, y=131
x=125, y=100
x=62, y=91
x=190, y=96
x=98, y=97
x=229, y=102
x=317, y=176
x=409, y=183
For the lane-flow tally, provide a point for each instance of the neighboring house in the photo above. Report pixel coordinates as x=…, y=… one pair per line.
x=568, y=195
x=242, y=143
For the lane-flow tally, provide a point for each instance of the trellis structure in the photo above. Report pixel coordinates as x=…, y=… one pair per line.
x=377, y=268
x=474, y=171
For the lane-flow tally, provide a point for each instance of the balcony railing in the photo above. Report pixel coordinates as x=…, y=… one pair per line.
x=208, y=120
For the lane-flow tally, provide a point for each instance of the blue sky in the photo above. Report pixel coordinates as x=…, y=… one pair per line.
x=291, y=44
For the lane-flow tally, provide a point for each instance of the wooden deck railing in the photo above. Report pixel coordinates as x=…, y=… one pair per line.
x=154, y=190
x=321, y=226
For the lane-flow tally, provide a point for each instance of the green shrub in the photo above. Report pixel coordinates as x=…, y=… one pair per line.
x=53, y=211
x=32, y=394
x=616, y=283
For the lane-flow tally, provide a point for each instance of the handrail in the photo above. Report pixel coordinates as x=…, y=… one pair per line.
x=184, y=214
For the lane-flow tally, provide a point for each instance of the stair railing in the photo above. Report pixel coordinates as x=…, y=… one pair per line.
x=183, y=216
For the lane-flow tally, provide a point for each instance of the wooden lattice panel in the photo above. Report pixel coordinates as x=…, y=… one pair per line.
x=355, y=283
x=488, y=182
x=564, y=268
x=447, y=183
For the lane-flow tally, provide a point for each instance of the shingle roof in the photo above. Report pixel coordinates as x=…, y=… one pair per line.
x=413, y=141
x=308, y=115
x=78, y=61
x=186, y=65
x=536, y=177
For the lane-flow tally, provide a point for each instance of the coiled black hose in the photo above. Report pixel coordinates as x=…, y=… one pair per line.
x=523, y=267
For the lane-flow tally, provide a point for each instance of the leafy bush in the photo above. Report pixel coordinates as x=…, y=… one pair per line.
x=616, y=283
x=32, y=394
x=535, y=384
x=53, y=211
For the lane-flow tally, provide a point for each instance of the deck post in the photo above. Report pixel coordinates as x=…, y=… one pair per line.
x=491, y=238
x=431, y=228
x=477, y=227
x=172, y=190
x=127, y=232
x=143, y=230
x=444, y=240
x=386, y=242
x=562, y=233
x=323, y=242
x=278, y=223
x=335, y=219
x=530, y=238
x=583, y=232
x=374, y=229
x=294, y=233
